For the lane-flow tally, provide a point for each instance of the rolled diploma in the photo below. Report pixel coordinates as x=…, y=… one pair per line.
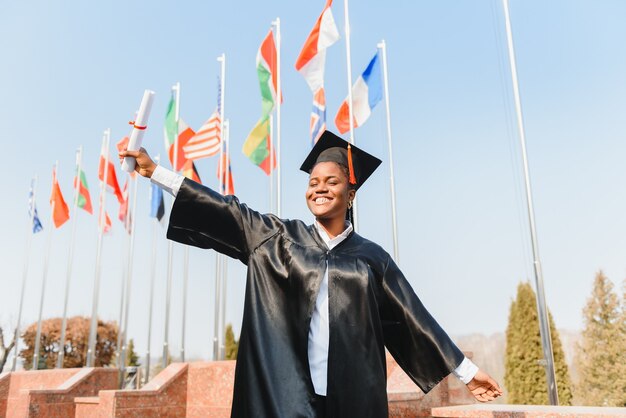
x=136, y=135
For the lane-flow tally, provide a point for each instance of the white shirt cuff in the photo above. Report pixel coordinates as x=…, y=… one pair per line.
x=167, y=180
x=466, y=371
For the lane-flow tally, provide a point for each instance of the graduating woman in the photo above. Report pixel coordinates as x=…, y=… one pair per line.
x=321, y=302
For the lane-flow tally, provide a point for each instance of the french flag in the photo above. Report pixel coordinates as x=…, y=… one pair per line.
x=367, y=91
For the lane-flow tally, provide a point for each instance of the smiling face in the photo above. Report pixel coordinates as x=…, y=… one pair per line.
x=329, y=191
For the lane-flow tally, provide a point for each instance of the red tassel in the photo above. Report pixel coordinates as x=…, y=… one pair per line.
x=350, y=166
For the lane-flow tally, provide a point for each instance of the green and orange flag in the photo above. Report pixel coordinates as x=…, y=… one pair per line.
x=257, y=146
x=84, y=199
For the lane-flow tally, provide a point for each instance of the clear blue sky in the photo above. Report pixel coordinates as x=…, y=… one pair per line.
x=70, y=70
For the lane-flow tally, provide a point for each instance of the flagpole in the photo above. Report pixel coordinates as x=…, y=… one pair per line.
x=544, y=328
x=170, y=247
x=68, y=279
x=93, y=327
x=152, y=280
x=44, y=279
x=271, y=163
x=350, y=110
x=185, y=286
x=16, y=336
x=278, y=120
x=129, y=273
x=394, y=223
x=218, y=271
x=120, y=331
x=224, y=272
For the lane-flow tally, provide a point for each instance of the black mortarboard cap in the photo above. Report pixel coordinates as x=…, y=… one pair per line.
x=330, y=147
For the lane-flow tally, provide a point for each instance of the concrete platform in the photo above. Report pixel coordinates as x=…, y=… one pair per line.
x=526, y=411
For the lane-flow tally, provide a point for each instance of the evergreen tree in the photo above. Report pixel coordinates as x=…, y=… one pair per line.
x=525, y=375
x=132, y=359
x=231, y=344
x=601, y=354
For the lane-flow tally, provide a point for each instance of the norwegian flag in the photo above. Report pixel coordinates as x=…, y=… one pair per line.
x=318, y=115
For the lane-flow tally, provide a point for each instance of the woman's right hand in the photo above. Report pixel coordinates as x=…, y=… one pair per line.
x=144, y=164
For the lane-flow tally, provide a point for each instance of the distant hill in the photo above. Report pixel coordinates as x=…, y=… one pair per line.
x=488, y=352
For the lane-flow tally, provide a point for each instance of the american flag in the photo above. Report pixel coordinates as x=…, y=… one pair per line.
x=318, y=115
x=207, y=141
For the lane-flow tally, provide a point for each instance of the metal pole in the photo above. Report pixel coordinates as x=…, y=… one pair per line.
x=278, y=105
x=218, y=276
x=152, y=280
x=170, y=248
x=129, y=275
x=93, y=327
x=544, y=328
x=150, y=303
x=44, y=279
x=68, y=279
x=223, y=309
x=168, y=291
x=350, y=110
x=271, y=163
x=185, y=285
x=120, y=331
x=394, y=223
x=224, y=272
x=16, y=335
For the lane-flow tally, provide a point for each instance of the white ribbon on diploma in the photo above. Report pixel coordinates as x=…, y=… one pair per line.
x=139, y=126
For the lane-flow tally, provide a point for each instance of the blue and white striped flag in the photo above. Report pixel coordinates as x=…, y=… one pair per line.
x=37, y=227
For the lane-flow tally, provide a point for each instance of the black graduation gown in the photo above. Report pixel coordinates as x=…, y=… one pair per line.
x=371, y=305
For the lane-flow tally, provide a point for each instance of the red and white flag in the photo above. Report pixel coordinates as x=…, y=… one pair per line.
x=106, y=225
x=311, y=63
x=113, y=185
x=124, y=214
x=207, y=141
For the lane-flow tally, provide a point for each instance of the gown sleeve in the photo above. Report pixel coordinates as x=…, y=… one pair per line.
x=412, y=336
x=203, y=218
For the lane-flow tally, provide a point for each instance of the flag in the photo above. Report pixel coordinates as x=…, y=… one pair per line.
x=185, y=133
x=266, y=69
x=318, y=115
x=257, y=146
x=312, y=58
x=157, y=206
x=37, y=226
x=190, y=171
x=106, y=225
x=60, y=211
x=112, y=184
x=367, y=91
x=84, y=199
x=124, y=214
x=206, y=142
x=311, y=63
x=172, y=130
x=225, y=175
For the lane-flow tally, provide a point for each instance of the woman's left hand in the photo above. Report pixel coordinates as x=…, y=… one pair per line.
x=483, y=387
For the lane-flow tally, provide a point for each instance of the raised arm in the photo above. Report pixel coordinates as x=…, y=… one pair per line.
x=203, y=218
x=420, y=346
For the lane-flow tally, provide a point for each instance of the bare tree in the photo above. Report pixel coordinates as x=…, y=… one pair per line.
x=5, y=350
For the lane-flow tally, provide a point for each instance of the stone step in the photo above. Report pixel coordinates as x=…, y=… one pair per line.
x=51, y=393
x=527, y=411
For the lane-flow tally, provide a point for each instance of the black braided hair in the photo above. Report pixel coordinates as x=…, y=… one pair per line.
x=350, y=215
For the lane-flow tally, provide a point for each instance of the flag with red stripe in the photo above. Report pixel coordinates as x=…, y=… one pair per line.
x=207, y=141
